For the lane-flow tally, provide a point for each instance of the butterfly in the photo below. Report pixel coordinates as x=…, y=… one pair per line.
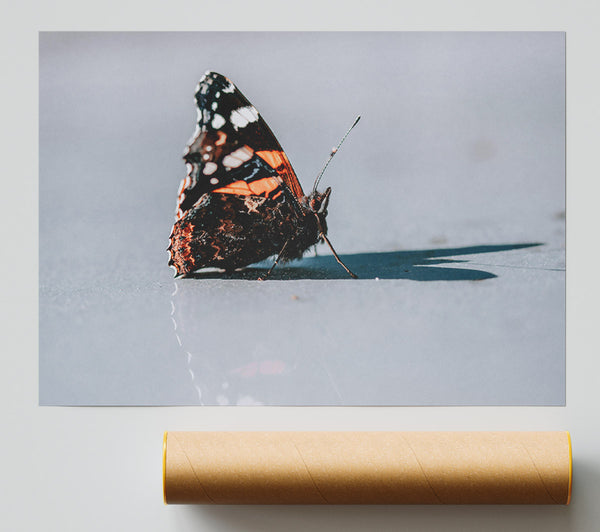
x=241, y=202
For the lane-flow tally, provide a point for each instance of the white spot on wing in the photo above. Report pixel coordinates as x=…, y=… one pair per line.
x=237, y=157
x=244, y=153
x=214, y=180
x=243, y=116
x=250, y=113
x=229, y=89
x=218, y=121
x=209, y=168
x=231, y=162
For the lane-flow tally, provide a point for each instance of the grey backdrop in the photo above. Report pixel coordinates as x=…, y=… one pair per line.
x=450, y=192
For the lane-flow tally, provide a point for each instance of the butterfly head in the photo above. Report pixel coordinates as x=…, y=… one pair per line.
x=318, y=202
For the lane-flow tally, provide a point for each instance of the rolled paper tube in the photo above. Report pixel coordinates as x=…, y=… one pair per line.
x=367, y=467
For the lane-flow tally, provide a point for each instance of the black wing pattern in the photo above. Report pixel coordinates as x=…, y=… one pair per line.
x=231, y=144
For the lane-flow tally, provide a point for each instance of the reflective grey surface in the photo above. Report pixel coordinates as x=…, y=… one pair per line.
x=450, y=192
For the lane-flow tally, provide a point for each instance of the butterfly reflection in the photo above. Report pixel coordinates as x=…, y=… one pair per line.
x=241, y=360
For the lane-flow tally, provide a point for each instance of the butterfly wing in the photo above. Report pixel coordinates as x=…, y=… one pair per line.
x=233, y=151
x=232, y=231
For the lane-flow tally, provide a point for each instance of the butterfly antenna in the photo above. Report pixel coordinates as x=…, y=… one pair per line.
x=333, y=152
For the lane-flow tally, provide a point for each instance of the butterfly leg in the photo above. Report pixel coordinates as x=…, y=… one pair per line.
x=353, y=275
x=275, y=263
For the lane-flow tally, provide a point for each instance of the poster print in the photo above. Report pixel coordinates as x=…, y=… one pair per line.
x=447, y=202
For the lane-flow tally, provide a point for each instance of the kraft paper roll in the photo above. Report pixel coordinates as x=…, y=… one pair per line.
x=367, y=467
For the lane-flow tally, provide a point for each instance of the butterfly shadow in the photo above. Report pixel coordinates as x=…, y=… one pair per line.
x=417, y=265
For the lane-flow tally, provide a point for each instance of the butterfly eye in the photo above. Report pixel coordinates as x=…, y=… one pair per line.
x=315, y=204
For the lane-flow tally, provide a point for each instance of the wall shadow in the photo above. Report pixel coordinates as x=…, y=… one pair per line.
x=384, y=518
x=415, y=265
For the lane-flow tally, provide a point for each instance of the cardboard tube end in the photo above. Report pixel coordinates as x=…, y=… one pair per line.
x=570, y=467
x=164, y=467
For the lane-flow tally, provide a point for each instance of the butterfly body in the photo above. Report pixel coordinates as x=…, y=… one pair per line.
x=241, y=201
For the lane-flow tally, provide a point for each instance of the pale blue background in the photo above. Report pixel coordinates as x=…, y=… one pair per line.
x=99, y=468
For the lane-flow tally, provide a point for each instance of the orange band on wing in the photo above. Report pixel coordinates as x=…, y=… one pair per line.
x=278, y=160
x=260, y=187
x=274, y=158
